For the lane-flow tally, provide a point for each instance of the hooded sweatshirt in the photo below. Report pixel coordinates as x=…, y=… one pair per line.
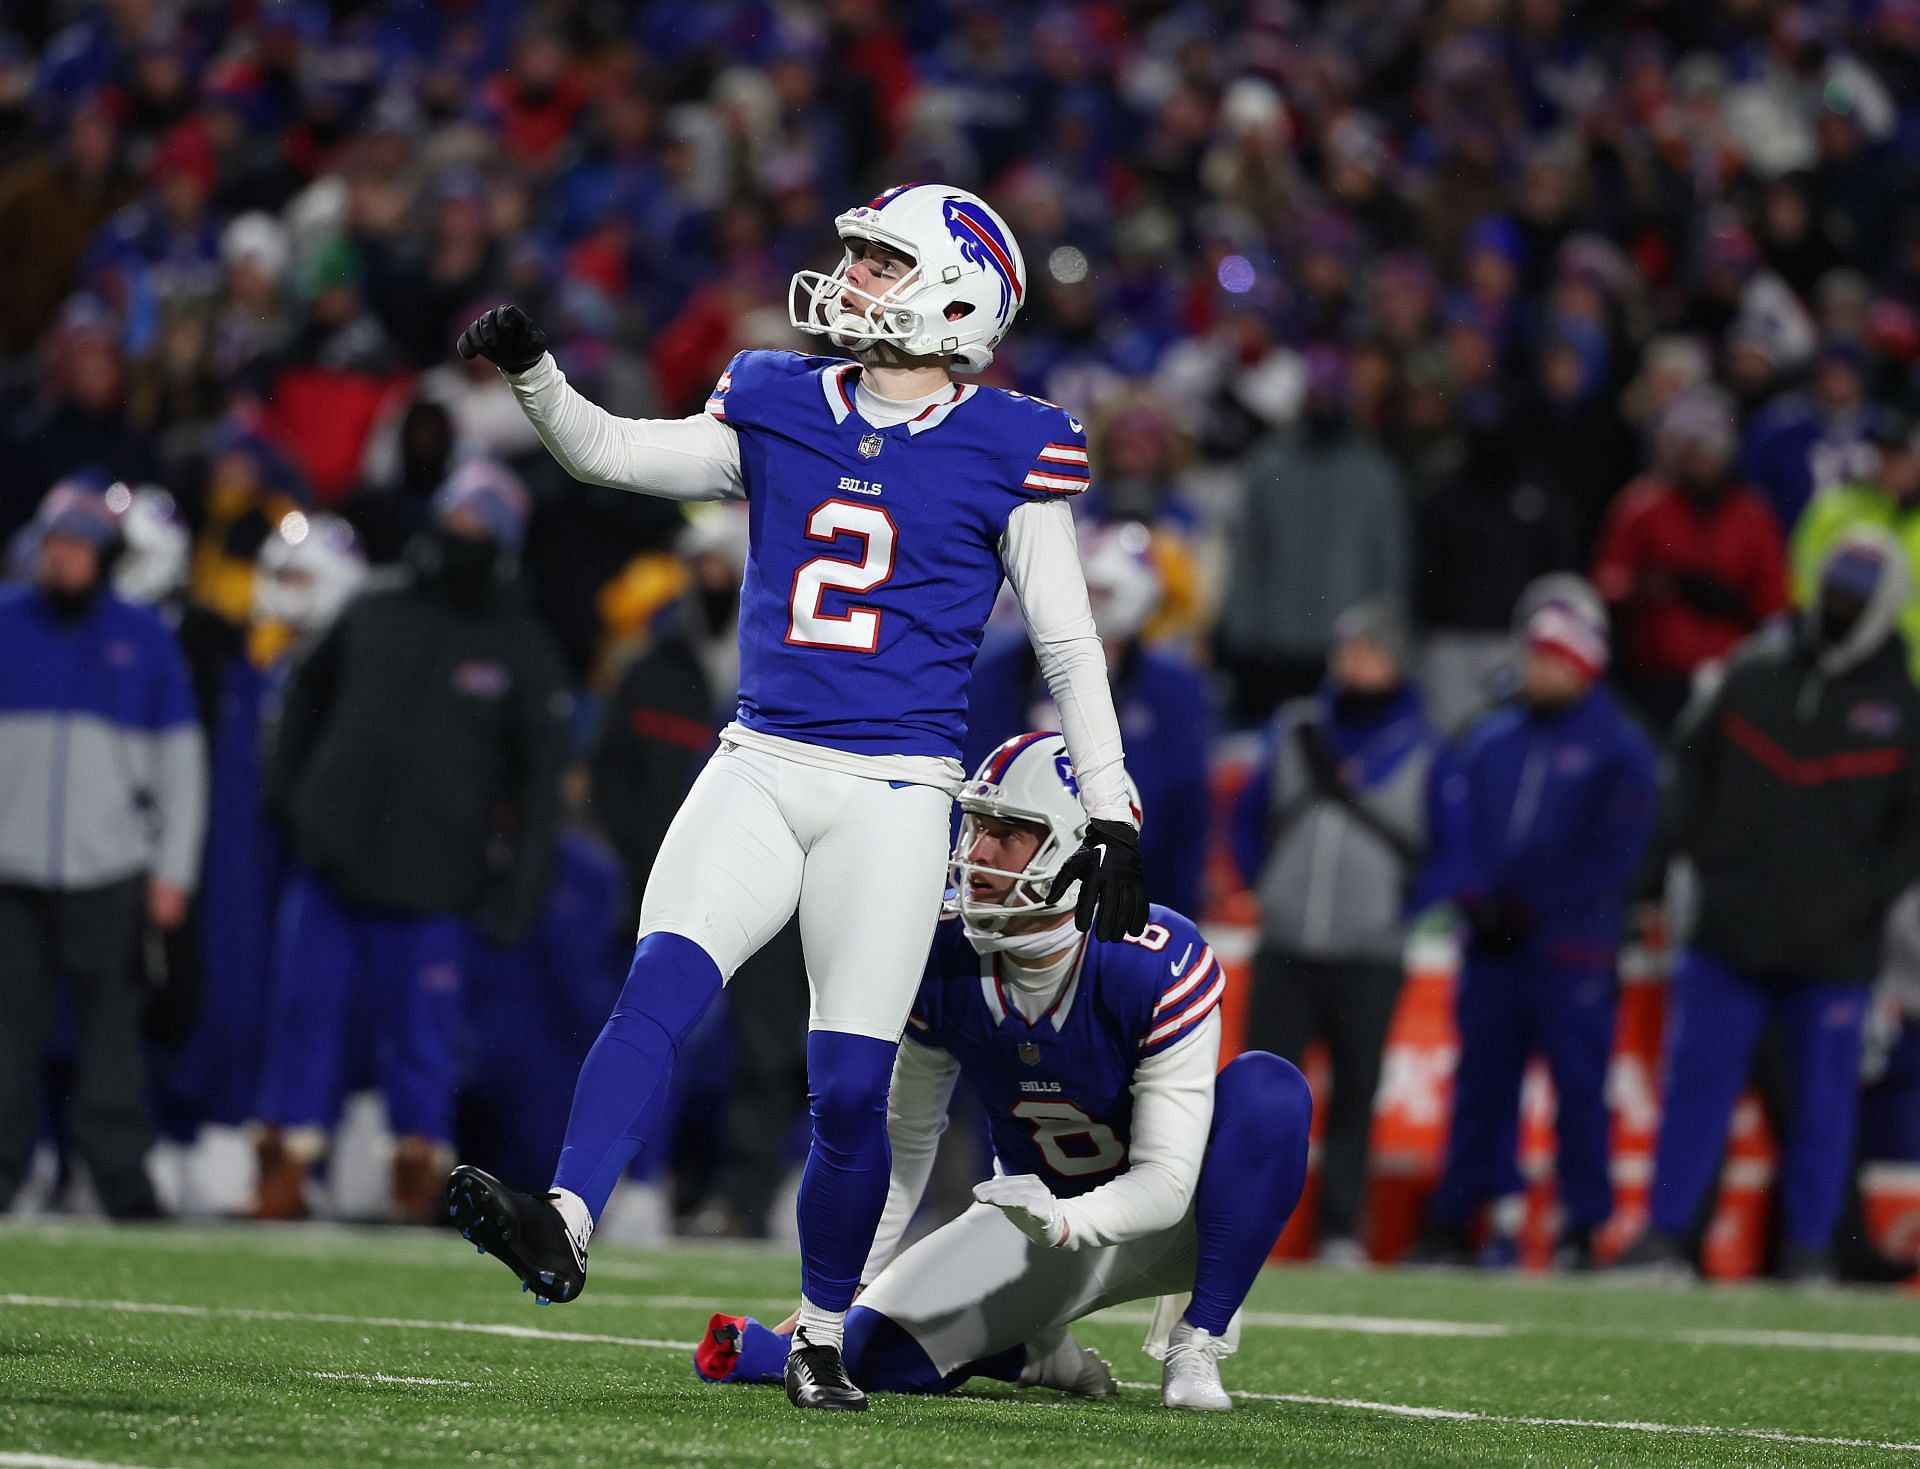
x=1793, y=786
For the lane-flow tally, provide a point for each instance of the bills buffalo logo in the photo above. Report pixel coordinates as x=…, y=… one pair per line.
x=1874, y=717
x=982, y=243
x=481, y=678
x=1063, y=767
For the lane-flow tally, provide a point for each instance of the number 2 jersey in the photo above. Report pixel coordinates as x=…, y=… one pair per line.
x=1058, y=1090
x=875, y=551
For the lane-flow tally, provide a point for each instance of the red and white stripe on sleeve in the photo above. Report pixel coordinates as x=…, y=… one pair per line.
x=1060, y=468
x=1194, y=994
x=717, y=399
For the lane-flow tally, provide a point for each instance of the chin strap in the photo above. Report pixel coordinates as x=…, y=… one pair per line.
x=1036, y=945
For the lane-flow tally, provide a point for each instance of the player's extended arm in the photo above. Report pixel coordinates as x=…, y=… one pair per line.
x=1172, y=1115
x=923, y=1078
x=1041, y=554
x=695, y=458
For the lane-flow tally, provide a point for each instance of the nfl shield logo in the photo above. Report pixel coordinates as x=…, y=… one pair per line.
x=1029, y=1053
x=870, y=446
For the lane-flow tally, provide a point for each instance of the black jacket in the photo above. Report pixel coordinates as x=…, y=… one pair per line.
x=417, y=733
x=1795, y=790
x=656, y=733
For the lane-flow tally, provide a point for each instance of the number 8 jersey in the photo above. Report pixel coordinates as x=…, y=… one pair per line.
x=875, y=551
x=1058, y=1090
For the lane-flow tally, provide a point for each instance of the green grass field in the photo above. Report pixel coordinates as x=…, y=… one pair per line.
x=322, y=1347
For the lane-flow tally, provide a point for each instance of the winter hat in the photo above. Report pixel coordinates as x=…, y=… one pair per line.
x=1562, y=630
x=1379, y=622
x=491, y=492
x=75, y=508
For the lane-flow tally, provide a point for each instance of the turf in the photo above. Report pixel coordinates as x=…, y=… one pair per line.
x=296, y=1346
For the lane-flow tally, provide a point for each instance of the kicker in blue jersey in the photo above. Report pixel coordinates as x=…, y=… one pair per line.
x=875, y=554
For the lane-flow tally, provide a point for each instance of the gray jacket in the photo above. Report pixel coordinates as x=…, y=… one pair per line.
x=102, y=762
x=1333, y=885
x=1324, y=525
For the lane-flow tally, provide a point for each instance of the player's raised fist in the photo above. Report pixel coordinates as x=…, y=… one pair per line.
x=505, y=337
x=1113, y=892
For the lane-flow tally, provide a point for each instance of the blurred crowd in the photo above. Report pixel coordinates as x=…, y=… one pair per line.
x=1380, y=313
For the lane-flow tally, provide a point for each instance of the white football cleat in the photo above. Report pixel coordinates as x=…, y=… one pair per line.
x=1190, y=1377
x=1057, y=1361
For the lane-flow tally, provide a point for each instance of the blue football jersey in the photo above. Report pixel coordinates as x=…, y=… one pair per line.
x=1058, y=1090
x=873, y=556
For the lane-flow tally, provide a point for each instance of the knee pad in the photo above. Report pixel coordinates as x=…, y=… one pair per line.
x=882, y=1357
x=1263, y=1085
x=670, y=984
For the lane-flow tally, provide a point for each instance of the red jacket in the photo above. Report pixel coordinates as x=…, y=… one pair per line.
x=1687, y=580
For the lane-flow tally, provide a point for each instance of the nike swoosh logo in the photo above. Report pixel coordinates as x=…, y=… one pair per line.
x=1180, y=963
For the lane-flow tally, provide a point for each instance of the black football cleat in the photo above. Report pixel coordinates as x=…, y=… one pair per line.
x=817, y=1378
x=525, y=1231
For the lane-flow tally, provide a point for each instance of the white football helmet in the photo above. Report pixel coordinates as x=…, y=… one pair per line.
x=1028, y=779
x=153, y=565
x=308, y=569
x=967, y=282
x=1123, y=583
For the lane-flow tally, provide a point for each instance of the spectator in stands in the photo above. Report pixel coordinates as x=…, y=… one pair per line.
x=1803, y=441
x=309, y=568
x=1690, y=562
x=1332, y=833
x=77, y=420
x=102, y=808
x=1793, y=793
x=1537, y=837
x=1324, y=525
x=52, y=204
x=1488, y=532
x=431, y=704
x=1887, y=498
x=1164, y=704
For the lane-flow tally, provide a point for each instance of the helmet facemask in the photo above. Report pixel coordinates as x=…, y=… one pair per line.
x=987, y=919
x=851, y=318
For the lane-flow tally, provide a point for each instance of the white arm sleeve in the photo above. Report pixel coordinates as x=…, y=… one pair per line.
x=923, y=1078
x=1172, y=1115
x=695, y=458
x=1042, y=559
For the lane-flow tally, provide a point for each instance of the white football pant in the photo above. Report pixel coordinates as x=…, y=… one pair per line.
x=864, y=861
x=978, y=1286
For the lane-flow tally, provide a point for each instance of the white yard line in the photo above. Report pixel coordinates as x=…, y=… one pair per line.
x=1820, y=1341
x=331, y=1243
x=1310, y=1321
x=485, y=1328
x=388, y=1378
x=56, y=1461
x=1466, y=1415
x=327, y=1318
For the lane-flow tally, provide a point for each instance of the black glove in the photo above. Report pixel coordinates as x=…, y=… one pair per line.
x=1496, y=926
x=505, y=337
x=1107, y=867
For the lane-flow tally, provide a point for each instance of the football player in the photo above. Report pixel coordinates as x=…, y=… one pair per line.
x=887, y=502
x=1125, y=1168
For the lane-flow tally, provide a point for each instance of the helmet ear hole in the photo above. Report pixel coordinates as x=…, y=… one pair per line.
x=958, y=310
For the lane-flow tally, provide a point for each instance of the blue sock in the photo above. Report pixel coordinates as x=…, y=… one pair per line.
x=623, y=1081
x=1250, y=1180
x=844, y=1185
